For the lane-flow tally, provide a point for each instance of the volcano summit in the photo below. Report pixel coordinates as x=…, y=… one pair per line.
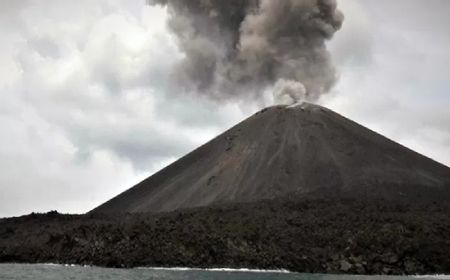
x=300, y=151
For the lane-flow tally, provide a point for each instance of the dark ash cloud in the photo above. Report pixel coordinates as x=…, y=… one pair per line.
x=239, y=48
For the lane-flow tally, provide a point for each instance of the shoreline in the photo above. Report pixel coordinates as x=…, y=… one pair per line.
x=225, y=269
x=175, y=268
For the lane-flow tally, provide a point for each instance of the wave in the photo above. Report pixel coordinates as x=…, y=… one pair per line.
x=437, y=276
x=186, y=268
x=61, y=264
x=218, y=269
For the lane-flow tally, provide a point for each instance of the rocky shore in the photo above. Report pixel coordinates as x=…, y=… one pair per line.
x=316, y=236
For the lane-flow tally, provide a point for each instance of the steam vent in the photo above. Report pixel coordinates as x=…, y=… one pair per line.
x=290, y=152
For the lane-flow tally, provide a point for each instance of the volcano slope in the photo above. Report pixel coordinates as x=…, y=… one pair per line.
x=297, y=152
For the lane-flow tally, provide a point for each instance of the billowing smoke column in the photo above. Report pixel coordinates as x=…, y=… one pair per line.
x=239, y=48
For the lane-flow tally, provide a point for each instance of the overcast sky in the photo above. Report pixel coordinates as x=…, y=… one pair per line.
x=86, y=109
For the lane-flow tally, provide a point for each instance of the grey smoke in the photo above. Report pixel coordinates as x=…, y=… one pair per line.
x=240, y=48
x=288, y=92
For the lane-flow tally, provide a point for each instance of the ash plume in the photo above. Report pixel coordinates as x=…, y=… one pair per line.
x=240, y=48
x=288, y=92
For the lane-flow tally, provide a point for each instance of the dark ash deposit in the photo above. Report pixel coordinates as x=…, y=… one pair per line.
x=306, y=150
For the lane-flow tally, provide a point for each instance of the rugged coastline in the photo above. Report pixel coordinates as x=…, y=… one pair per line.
x=315, y=236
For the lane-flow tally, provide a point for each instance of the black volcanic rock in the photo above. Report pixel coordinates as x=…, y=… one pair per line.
x=318, y=236
x=297, y=152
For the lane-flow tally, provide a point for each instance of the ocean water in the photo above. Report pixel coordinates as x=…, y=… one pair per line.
x=59, y=272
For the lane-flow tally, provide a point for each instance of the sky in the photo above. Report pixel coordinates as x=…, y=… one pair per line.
x=87, y=110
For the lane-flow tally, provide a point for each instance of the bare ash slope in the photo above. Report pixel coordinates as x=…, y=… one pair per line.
x=301, y=151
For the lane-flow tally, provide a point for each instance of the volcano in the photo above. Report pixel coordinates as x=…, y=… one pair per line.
x=292, y=187
x=288, y=152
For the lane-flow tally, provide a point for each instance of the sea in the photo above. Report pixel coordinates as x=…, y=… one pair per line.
x=63, y=272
